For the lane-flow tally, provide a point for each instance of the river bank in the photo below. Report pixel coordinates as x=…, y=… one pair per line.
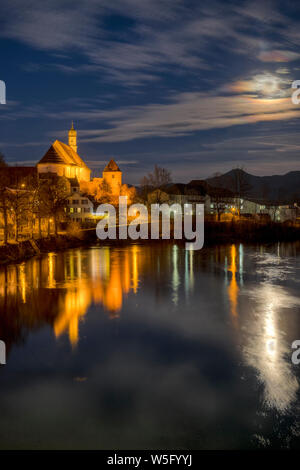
x=18, y=252
x=215, y=233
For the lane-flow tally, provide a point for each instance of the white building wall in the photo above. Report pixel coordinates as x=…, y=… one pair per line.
x=79, y=208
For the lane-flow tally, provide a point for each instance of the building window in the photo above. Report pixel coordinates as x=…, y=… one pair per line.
x=75, y=201
x=84, y=201
x=86, y=210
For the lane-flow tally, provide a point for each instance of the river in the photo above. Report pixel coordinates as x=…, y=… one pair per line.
x=151, y=347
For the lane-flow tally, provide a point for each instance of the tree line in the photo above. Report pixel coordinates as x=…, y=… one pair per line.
x=31, y=202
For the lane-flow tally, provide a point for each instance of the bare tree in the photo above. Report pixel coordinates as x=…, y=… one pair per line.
x=219, y=199
x=40, y=207
x=2, y=160
x=54, y=194
x=129, y=192
x=4, y=204
x=4, y=197
x=155, y=182
x=240, y=185
x=4, y=209
x=19, y=203
x=104, y=193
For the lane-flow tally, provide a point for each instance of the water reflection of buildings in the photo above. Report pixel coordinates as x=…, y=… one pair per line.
x=257, y=320
x=103, y=279
x=233, y=288
x=59, y=289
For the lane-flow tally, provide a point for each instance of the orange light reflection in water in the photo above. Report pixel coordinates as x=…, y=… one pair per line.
x=233, y=288
x=114, y=274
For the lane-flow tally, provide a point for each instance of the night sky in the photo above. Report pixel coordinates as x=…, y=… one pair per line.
x=195, y=86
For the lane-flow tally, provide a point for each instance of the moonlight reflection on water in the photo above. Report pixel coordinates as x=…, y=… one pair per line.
x=99, y=340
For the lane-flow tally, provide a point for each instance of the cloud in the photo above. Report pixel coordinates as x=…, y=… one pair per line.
x=190, y=112
x=283, y=71
x=156, y=70
x=278, y=56
x=22, y=162
x=97, y=163
x=264, y=85
x=49, y=26
x=160, y=35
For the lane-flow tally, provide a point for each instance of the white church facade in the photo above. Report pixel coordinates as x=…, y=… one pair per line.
x=63, y=160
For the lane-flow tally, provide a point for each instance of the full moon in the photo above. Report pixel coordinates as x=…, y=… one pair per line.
x=267, y=85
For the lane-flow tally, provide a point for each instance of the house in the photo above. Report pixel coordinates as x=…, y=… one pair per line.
x=78, y=208
x=182, y=194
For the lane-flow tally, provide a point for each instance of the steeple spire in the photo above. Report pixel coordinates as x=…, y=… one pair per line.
x=73, y=138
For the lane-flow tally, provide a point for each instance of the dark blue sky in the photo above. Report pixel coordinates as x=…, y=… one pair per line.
x=198, y=87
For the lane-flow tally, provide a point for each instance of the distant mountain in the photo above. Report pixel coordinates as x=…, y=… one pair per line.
x=277, y=188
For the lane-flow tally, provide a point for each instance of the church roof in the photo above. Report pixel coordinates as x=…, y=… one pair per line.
x=62, y=153
x=112, y=166
x=74, y=182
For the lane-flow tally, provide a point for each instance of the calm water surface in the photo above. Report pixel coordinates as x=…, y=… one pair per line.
x=151, y=347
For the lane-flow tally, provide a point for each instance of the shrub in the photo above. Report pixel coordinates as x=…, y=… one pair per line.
x=74, y=229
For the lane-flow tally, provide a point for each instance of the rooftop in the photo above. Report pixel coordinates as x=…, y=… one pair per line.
x=112, y=166
x=61, y=153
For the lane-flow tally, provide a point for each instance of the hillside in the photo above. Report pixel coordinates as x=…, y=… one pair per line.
x=277, y=188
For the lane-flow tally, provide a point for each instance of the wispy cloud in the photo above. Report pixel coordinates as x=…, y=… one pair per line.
x=190, y=112
x=161, y=34
x=100, y=163
x=128, y=70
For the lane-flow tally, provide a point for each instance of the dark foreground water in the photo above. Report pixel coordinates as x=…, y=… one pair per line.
x=151, y=347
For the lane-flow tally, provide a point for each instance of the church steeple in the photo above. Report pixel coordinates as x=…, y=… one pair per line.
x=73, y=138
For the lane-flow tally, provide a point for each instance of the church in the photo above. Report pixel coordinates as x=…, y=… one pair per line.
x=63, y=160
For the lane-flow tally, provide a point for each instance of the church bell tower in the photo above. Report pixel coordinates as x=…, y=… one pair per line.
x=73, y=138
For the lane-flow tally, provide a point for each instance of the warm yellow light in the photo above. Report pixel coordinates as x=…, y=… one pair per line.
x=233, y=288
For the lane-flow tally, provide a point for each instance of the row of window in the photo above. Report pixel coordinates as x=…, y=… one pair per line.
x=80, y=220
x=78, y=210
x=224, y=206
x=77, y=201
